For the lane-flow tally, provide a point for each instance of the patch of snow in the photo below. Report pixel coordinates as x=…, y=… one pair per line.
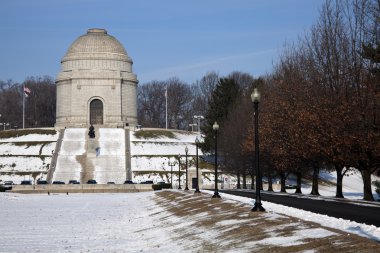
x=164, y=148
x=26, y=149
x=229, y=222
x=75, y=134
x=84, y=223
x=352, y=186
x=24, y=163
x=296, y=239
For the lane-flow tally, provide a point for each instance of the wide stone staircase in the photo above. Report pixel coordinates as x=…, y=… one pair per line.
x=102, y=158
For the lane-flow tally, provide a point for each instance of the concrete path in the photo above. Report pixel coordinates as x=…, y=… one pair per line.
x=359, y=211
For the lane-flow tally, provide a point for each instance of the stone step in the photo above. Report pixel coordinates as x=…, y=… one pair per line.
x=102, y=158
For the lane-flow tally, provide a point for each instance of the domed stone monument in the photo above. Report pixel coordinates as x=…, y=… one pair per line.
x=96, y=85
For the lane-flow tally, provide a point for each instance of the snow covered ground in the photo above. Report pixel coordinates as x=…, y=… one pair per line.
x=150, y=156
x=352, y=186
x=153, y=154
x=27, y=156
x=155, y=222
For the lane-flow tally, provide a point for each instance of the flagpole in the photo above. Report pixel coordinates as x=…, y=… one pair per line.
x=166, y=110
x=23, y=106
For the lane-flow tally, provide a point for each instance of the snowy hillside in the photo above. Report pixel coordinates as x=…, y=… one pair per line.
x=153, y=149
x=26, y=154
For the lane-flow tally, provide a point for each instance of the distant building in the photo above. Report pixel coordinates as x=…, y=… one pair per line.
x=96, y=84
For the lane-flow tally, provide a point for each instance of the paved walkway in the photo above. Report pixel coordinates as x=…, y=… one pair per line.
x=359, y=211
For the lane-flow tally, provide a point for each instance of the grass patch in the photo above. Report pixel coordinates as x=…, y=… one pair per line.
x=154, y=134
x=205, y=165
x=152, y=173
x=30, y=143
x=22, y=132
x=40, y=156
x=33, y=174
x=164, y=156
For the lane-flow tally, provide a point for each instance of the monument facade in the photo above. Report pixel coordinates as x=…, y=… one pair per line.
x=96, y=85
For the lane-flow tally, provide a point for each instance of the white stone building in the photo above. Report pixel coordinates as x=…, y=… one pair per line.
x=96, y=84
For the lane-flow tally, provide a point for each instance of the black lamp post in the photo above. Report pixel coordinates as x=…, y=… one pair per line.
x=171, y=164
x=179, y=172
x=196, y=145
x=186, y=152
x=255, y=96
x=216, y=128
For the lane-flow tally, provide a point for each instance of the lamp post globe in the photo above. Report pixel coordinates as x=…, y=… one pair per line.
x=199, y=117
x=215, y=127
x=186, y=153
x=255, y=96
x=197, y=165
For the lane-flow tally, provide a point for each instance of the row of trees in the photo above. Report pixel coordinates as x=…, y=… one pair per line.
x=183, y=101
x=320, y=107
x=39, y=104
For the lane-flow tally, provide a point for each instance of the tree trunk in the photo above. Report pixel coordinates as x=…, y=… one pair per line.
x=244, y=181
x=339, y=181
x=270, y=185
x=283, y=181
x=299, y=182
x=252, y=180
x=314, y=188
x=238, y=181
x=366, y=176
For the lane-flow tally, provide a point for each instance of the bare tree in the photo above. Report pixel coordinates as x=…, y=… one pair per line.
x=151, y=104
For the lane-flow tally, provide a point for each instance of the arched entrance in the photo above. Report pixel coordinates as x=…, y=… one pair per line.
x=96, y=112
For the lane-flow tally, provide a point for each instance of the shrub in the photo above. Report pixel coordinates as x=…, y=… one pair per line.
x=2, y=189
x=377, y=185
x=165, y=186
x=156, y=187
x=22, y=132
x=154, y=134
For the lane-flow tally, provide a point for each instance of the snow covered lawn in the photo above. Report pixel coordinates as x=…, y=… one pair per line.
x=165, y=221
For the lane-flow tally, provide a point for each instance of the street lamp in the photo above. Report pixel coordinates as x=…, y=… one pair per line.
x=186, y=152
x=171, y=164
x=199, y=117
x=4, y=124
x=216, y=128
x=179, y=172
x=255, y=96
x=192, y=127
x=196, y=145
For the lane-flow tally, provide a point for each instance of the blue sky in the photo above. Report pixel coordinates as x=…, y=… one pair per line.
x=165, y=38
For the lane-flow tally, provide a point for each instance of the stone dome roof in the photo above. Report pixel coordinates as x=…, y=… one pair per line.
x=96, y=44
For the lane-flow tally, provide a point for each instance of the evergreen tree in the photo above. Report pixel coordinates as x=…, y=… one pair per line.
x=372, y=53
x=222, y=98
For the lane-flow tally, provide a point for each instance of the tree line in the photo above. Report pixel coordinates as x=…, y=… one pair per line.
x=40, y=103
x=183, y=101
x=320, y=107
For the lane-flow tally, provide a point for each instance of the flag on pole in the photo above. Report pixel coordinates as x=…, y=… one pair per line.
x=27, y=91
